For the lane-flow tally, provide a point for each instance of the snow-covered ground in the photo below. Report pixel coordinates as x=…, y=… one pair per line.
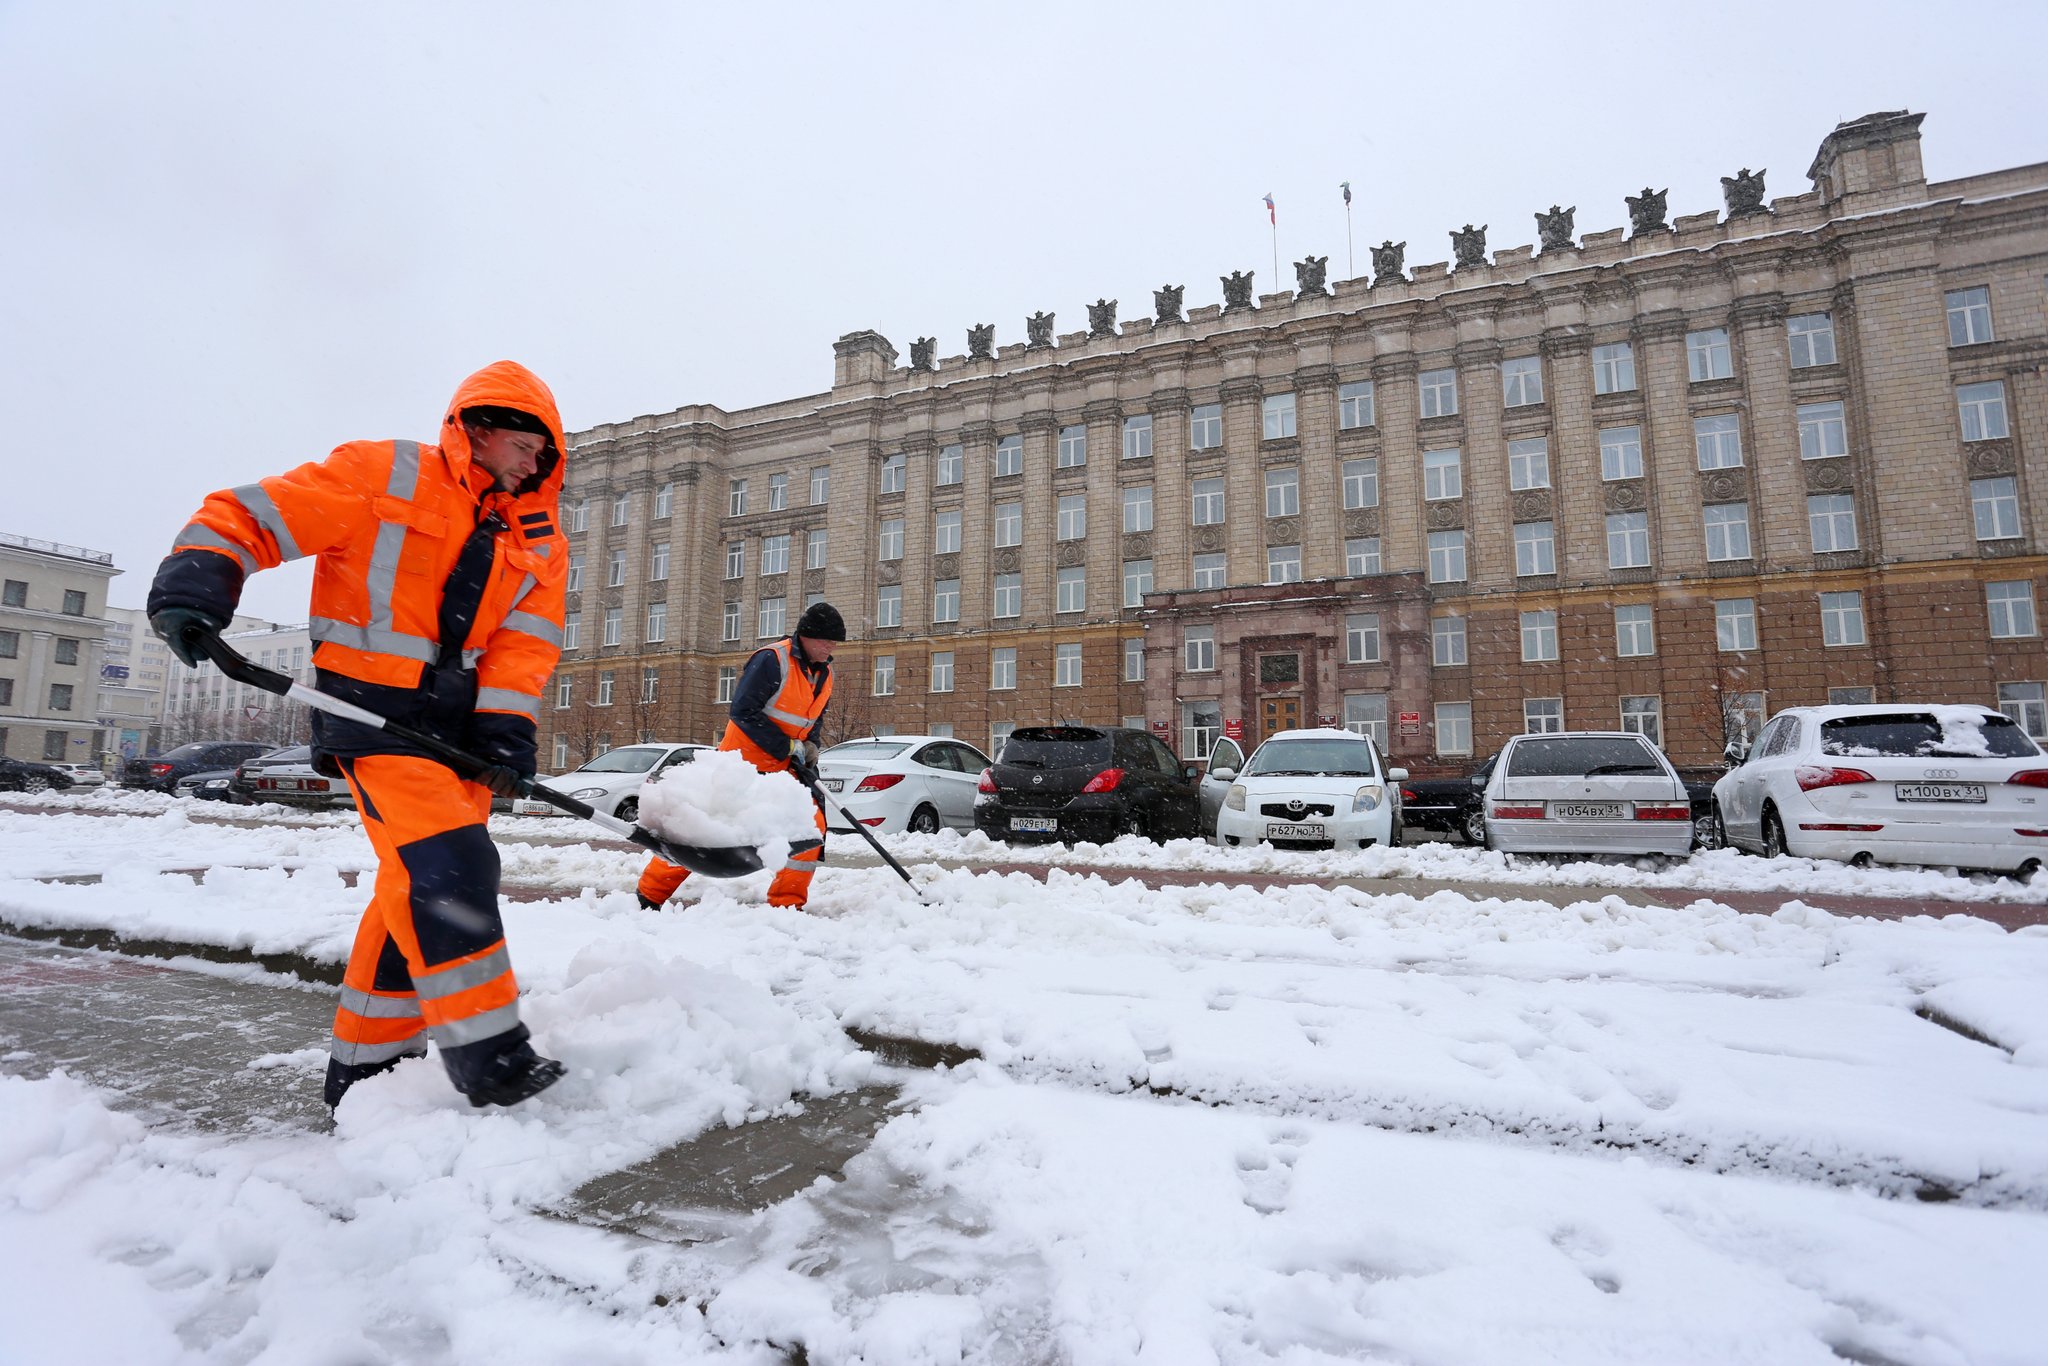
x=1207, y=1123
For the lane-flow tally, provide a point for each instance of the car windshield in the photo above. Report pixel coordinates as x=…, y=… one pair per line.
x=1581, y=756
x=866, y=751
x=182, y=752
x=1948, y=732
x=1058, y=747
x=296, y=754
x=1329, y=758
x=632, y=759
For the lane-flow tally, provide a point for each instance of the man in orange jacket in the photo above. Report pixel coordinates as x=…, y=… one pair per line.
x=778, y=711
x=438, y=595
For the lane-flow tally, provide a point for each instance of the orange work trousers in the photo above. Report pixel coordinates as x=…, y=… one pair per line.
x=429, y=957
x=791, y=887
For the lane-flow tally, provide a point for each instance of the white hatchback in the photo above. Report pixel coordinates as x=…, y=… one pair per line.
x=1953, y=786
x=611, y=782
x=1312, y=789
x=892, y=783
x=1586, y=792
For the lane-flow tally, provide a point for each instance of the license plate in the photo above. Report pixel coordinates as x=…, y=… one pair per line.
x=832, y=784
x=1586, y=811
x=1940, y=792
x=289, y=784
x=1294, y=832
x=1034, y=825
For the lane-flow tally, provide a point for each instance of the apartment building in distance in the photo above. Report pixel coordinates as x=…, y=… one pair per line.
x=53, y=601
x=1668, y=477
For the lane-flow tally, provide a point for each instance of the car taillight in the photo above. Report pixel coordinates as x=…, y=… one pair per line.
x=878, y=782
x=988, y=781
x=1518, y=813
x=1812, y=777
x=1663, y=811
x=159, y=770
x=1408, y=795
x=1105, y=781
x=2032, y=777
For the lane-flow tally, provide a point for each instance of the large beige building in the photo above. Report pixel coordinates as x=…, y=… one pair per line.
x=53, y=626
x=1667, y=477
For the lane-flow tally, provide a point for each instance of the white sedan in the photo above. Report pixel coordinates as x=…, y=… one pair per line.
x=1900, y=782
x=892, y=783
x=84, y=775
x=1586, y=792
x=1313, y=789
x=611, y=782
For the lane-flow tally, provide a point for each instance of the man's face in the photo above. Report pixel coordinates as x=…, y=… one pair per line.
x=511, y=457
x=816, y=651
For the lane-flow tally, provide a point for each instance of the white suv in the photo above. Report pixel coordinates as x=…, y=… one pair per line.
x=1894, y=783
x=610, y=783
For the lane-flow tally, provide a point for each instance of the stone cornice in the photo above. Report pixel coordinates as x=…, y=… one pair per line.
x=1242, y=388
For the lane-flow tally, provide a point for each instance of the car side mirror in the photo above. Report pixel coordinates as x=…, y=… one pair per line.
x=1397, y=775
x=1190, y=772
x=1223, y=775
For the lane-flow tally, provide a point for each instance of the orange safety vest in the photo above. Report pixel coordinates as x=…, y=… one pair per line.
x=796, y=707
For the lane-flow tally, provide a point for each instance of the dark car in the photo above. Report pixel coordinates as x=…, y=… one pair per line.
x=213, y=785
x=21, y=775
x=1086, y=783
x=161, y=774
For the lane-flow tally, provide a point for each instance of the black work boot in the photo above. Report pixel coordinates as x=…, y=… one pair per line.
x=341, y=1076
x=646, y=903
x=500, y=1070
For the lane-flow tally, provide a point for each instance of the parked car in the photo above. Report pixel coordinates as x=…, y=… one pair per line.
x=1891, y=783
x=161, y=774
x=1313, y=789
x=1086, y=783
x=214, y=785
x=1586, y=792
x=1226, y=757
x=610, y=783
x=83, y=775
x=1452, y=806
x=893, y=783
x=22, y=775
x=287, y=775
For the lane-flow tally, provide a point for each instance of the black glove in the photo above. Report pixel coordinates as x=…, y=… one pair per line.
x=807, y=750
x=802, y=771
x=502, y=781
x=177, y=626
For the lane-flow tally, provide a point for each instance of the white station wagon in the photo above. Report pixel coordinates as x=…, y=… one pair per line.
x=1586, y=792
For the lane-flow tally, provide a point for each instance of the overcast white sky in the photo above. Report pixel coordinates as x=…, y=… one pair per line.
x=238, y=233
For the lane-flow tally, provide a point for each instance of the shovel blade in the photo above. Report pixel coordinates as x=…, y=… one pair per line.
x=709, y=861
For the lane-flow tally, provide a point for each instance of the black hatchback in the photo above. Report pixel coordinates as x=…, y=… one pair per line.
x=1086, y=783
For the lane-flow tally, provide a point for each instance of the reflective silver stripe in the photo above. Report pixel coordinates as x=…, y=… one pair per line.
x=264, y=510
x=504, y=699
x=470, y=657
x=379, y=1007
x=435, y=983
x=793, y=718
x=199, y=534
x=405, y=470
x=354, y=1054
x=797, y=863
x=538, y=627
x=526, y=585
x=379, y=640
x=476, y=1028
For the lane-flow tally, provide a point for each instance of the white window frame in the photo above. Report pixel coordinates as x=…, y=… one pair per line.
x=1707, y=355
x=771, y=618
x=1614, y=368
x=1138, y=436
x=735, y=497
x=1009, y=524
x=1205, y=427
x=1008, y=593
x=1542, y=715
x=1969, y=315
x=1009, y=456
x=1735, y=625
x=883, y=676
x=889, y=540
x=1443, y=474
x=1137, y=582
x=1980, y=411
x=657, y=623
x=606, y=685
x=888, y=605
x=1362, y=556
x=775, y=554
x=1437, y=393
x=1134, y=659
x=1995, y=507
x=1635, y=631
x=729, y=622
x=650, y=683
x=1072, y=520
x=615, y=569
x=1283, y=491
x=1831, y=522
x=1727, y=523
x=1454, y=728
x=1198, y=649
x=1210, y=570
x=1539, y=636
x=1521, y=381
x=664, y=501
x=1447, y=556
x=622, y=508
x=941, y=671
x=1841, y=620
x=895, y=473
x=1066, y=666
x=946, y=532
x=1645, y=717
x=1447, y=646
x=778, y=492
x=1823, y=430
x=1529, y=463
x=1072, y=452
x=1535, y=548
x=575, y=583
x=1621, y=453
x=735, y=560
x=1002, y=668
x=814, y=548
x=1277, y=419
x=945, y=600
x=1355, y=406
x=728, y=683
x=1205, y=502
x=1365, y=713
x=614, y=625
x=1628, y=540
x=951, y=466
x=1362, y=638
x=1283, y=564
x=2027, y=704
x=1810, y=340
x=657, y=563
x=1361, y=482
x=1137, y=508
x=821, y=485
x=1717, y=441
x=1070, y=587
x=2009, y=608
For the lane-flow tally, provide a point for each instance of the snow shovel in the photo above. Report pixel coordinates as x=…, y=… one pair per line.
x=735, y=861
x=806, y=775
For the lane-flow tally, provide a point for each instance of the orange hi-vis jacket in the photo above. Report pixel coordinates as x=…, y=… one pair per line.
x=387, y=521
x=793, y=710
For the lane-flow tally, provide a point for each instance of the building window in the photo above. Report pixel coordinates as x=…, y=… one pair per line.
x=1447, y=641
x=1010, y=456
x=620, y=504
x=1207, y=502
x=773, y=618
x=952, y=467
x=735, y=559
x=1276, y=417
x=728, y=682
x=578, y=514
x=1137, y=582
x=1002, y=668
x=1454, y=728
x=1529, y=463
x=895, y=470
x=998, y=736
x=1283, y=491
x=53, y=744
x=821, y=485
x=67, y=651
x=615, y=569
x=2011, y=608
x=1535, y=548
x=1539, y=636
x=1365, y=713
x=1072, y=524
x=1447, y=557
x=946, y=532
x=1200, y=724
x=1134, y=659
x=1735, y=624
x=2027, y=705
x=664, y=501
x=1982, y=410
x=774, y=555
x=888, y=605
x=563, y=687
x=735, y=497
x=1283, y=564
x=1832, y=519
x=561, y=753
x=1443, y=475
x=14, y=593
x=1138, y=436
x=614, y=624
x=1009, y=599
x=1521, y=381
x=1009, y=524
x=1718, y=441
x=572, y=630
x=1995, y=506
x=1822, y=431
x=1439, y=392
x=1073, y=447
x=729, y=622
x=1542, y=715
x=1727, y=531
x=1841, y=618
x=1811, y=339
x=1969, y=316
x=1198, y=646
x=1210, y=569
x=942, y=671
x=1362, y=555
x=1621, y=452
x=1644, y=716
x=650, y=683
x=1362, y=638
x=657, y=622
x=1205, y=427
x=889, y=544
x=1138, y=508
x=1614, y=368
x=602, y=746
x=657, y=565
x=1066, y=666
x=1072, y=590
x=604, y=689
x=885, y=675
x=60, y=697
x=814, y=550
x=1354, y=405
x=778, y=492
x=1635, y=631
x=946, y=600
x=1707, y=356
x=1362, y=483
x=575, y=583
x=1628, y=540
x=812, y=599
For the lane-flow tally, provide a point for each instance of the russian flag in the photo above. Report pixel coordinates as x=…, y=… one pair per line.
x=1272, y=214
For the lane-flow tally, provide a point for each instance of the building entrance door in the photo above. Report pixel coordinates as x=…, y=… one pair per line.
x=1278, y=714
x=1279, y=693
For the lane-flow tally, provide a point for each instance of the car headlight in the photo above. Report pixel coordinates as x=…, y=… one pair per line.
x=584, y=794
x=1234, y=799
x=1367, y=798
x=214, y=782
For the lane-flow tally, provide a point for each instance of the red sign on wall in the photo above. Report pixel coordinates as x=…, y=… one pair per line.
x=1411, y=723
x=1160, y=726
x=1233, y=729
